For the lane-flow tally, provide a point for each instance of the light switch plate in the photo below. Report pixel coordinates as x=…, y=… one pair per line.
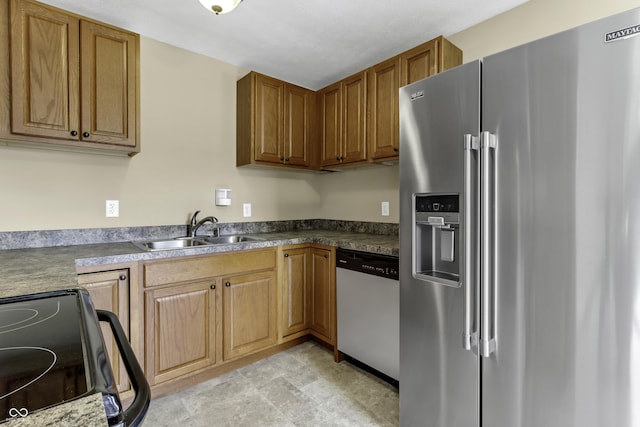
x=246, y=210
x=385, y=208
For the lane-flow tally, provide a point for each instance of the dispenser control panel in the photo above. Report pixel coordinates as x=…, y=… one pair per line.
x=438, y=203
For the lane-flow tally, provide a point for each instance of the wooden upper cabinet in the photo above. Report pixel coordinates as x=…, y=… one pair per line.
x=274, y=123
x=344, y=111
x=269, y=119
x=429, y=58
x=299, y=118
x=383, y=105
x=109, y=91
x=358, y=117
x=73, y=81
x=331, y=127
x=45, y=92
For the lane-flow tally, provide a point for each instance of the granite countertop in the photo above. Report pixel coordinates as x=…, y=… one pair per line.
x=87, y=411
x=28, y=271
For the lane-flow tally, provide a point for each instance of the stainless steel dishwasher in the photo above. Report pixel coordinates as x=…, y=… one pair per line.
x=367, y=298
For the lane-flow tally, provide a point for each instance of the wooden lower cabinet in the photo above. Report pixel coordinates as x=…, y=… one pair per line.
x=109, y=290
x=322, y=309
x=181, y=329
x=249, y=307
x=212, y=313
x=296, y=281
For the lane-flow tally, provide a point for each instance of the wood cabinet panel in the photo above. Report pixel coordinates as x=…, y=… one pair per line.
x=299, y=113
x=322, y=294
x=354, y=119
x=110, y=291
x=331, y=130
x=383, y=107
x=249, y=313
x=295, y=290
x=108, y=85
x=269, y=94
x=44, y=71
x=181, y=330
x=197, y=268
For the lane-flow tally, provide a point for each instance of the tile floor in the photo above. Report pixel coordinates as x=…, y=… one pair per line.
x=301, y=386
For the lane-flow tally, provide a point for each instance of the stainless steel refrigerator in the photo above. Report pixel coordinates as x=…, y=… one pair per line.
x=520, y=236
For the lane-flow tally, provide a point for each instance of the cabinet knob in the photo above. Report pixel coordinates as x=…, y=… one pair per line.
x=213, y=286
x=74, y=133
x=122, y=277
x=85, y=134
x=282, y=159
x=286, y=255
x=396, y=150
x=286, y=159
x=338, y=158
x=227, y=284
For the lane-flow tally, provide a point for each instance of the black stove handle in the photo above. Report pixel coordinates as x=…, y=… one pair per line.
x=135, y=413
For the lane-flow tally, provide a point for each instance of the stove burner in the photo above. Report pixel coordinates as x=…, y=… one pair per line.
x=27, y=353
x=13, y=319
x=42, y=357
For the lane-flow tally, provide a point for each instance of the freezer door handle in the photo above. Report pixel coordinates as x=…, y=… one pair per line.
x=488, y=143
x=470, y=332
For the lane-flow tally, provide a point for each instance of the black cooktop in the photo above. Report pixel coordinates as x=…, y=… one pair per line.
x=45, y=352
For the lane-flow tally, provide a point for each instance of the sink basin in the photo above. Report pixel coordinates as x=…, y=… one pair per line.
x=192, y=242
x=178, y=243
x=230, y=239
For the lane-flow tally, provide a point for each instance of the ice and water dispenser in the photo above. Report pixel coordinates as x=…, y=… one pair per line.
x=436, y=238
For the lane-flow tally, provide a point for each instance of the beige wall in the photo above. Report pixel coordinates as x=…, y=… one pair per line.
x=188, y=146
x=531, y=21
x=188, y=150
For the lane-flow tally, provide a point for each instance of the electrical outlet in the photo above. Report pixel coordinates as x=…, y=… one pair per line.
x=112, y=209
x=246, y=210
x=385, y=208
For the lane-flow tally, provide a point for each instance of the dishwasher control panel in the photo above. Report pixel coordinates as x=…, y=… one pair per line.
x=366, y=262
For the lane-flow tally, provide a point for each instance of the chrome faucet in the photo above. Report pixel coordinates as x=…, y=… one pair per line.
x=194, y=224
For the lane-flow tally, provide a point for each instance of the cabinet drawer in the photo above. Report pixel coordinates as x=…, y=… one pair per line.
x=196, y=268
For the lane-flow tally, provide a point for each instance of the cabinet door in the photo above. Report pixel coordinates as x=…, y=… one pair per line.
x=331, y=128
x=269, y=94
x=109, y=88
x=354, y=118
x=110, y=291
x=295, y=290
x=180, y=330
x=383, y=135
x=322, y=294
x=44, y=71
x=298, y=113
x=249, y=307
x=420, y=62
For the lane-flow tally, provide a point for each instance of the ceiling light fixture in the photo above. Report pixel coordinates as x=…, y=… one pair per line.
x=220, y=6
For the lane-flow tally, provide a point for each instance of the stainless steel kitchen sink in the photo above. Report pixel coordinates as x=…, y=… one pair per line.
x=192, y=242
x=231, y=239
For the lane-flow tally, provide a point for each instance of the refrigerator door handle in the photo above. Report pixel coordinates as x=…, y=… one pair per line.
x=487, y=342
x=470, y=332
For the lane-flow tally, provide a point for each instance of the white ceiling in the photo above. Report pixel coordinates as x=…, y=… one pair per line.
x=311, y=43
